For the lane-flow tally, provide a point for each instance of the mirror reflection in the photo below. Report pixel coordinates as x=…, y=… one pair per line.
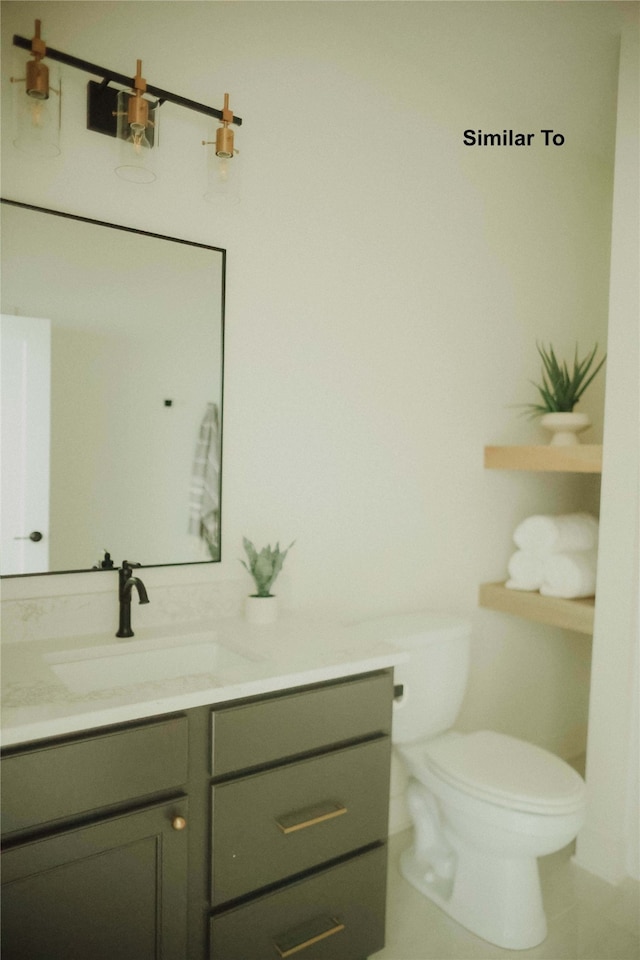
x=111, y=395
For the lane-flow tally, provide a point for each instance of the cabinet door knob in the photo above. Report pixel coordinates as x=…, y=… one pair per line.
x=178, y=823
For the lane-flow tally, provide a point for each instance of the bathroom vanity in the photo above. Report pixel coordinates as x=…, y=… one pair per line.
x=249, y=823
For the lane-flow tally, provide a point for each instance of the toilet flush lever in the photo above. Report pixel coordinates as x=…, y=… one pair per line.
x=398, y=691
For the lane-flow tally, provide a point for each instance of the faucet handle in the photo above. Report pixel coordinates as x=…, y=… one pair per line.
x=130, y=563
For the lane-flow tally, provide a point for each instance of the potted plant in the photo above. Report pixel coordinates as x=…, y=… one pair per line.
x=264, y=567
x=560, y=390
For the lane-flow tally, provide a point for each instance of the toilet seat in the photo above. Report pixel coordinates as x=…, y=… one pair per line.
x=507, y=772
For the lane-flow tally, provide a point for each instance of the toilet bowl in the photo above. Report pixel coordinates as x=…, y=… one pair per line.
x=484, y=805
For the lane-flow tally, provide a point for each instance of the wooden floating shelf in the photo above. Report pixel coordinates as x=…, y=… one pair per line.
x=570, y=614
x=578, y=458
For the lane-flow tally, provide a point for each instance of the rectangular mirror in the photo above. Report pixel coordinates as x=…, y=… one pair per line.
x=111, y=390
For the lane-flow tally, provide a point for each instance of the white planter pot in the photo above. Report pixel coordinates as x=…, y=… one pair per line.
x=261, y=609
x=565, y=427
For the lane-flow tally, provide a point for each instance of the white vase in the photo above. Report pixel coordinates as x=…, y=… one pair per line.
x=565, y=427
x=261, y=609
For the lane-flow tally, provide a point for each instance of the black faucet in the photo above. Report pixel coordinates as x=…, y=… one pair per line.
x=126, y=583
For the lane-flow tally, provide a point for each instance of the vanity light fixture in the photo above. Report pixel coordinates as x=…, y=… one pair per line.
x=37, y=100
x=222, y=162
x=137, y=131
x=129, y=109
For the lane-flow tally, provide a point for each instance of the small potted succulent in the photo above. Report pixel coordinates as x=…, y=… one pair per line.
x=560, y=390
x=264, y=567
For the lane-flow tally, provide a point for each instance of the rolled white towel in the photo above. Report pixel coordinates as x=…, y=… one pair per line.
x=525, y=571
x=566, y=533
x=570, y=575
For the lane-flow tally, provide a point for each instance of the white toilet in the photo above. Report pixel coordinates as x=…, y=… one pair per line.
x=484, y=805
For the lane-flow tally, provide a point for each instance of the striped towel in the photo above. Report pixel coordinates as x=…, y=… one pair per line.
x=204, y=494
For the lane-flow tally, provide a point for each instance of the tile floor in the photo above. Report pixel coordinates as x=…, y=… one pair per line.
x=588, y=919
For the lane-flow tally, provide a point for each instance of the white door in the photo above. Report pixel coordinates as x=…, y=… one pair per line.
x=25, y=422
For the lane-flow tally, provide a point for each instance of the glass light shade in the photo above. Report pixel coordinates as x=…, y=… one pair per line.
x=137, y=140
x=224, y=175
x=37, y=114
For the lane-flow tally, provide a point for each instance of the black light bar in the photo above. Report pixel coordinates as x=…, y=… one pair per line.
x=110, y=76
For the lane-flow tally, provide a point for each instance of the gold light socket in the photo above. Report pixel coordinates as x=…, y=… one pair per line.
x=138, y=107
x=224, y=136
x=224, y=142
x=37, y=79
x=37, y=85
x=138, y=111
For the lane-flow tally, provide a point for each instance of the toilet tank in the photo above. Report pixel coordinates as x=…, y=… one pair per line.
x=435, y=675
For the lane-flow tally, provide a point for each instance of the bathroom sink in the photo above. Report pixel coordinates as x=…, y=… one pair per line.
x=139, y=661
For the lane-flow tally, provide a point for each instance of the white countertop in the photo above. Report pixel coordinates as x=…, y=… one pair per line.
x=238, y=659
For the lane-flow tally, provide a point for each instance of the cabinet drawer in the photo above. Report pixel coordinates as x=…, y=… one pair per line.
x=337, y=914
x=257, y=733
x=272, y=825
x=62, y=780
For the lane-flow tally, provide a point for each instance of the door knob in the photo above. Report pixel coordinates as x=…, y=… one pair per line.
x=35, y=535
x=178, y=823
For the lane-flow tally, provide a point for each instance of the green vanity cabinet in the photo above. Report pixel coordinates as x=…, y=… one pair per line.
x=335, y=914
x=299, y=809
x=274, y=728
x=245, y=830
x=94, y=862
x=287, y=820
x=113, y=889
x=56, y=780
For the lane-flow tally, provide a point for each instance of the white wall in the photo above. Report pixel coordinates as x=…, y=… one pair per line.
x=386, y=285
x=610, y=845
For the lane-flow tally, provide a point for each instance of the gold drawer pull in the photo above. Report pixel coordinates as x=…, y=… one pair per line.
x=308, y=817
x=314, y=931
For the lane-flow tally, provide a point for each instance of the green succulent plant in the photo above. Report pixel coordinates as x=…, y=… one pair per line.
x=265, y=566
x=561, y=389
